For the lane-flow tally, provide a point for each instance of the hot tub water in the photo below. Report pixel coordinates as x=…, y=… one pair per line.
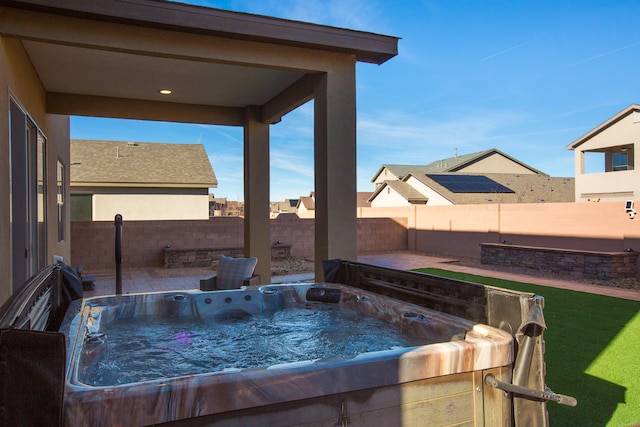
x=151, y=347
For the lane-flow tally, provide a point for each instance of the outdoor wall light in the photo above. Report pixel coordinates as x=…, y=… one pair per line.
x=628, y=207
x=165, y=91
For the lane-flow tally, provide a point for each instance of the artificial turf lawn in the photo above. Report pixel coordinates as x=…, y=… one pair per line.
x=592, y=352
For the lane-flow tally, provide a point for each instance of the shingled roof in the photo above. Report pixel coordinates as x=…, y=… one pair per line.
x=412, y=195
x=140, y=164
x=527, y=188
x=451, y=164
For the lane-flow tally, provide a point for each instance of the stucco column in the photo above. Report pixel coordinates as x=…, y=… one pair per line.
x=335, y=165
x=257, y=232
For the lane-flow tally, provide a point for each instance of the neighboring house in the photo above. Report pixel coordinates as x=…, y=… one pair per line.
x=288, y=206
x=362, y=199
x=235, y=208
x=139, y=180
x=605, y=159
x=306, y=205
x=217, y=206
x=220, y=206
x=487, y=161
x=468, y=179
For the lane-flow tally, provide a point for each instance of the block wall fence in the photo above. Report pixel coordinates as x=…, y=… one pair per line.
x=143, y=242
x=452, y=231
x=458, y=231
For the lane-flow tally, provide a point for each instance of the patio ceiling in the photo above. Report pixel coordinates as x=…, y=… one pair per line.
x=82, y=71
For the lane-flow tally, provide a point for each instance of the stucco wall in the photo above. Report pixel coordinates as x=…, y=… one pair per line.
x=389, y=197
x=150, y=206
x=608, y=186
x=458, y=230
x=19, y=80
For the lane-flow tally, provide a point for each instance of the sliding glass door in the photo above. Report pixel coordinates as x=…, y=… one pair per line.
x=28, y=196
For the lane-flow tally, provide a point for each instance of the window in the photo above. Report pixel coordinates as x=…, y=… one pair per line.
x=60, y=199
x=80, y=207
x=620, y=161
x=41, y=193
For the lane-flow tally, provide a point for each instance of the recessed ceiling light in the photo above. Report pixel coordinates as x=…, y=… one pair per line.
x=165, y=91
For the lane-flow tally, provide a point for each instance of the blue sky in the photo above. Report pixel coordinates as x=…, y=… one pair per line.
x=525, y=77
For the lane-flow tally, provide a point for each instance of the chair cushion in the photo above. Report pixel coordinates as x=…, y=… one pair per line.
x=233, y=271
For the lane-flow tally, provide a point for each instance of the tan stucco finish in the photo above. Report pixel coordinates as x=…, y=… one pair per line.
x=19, y=81
x=494, y=164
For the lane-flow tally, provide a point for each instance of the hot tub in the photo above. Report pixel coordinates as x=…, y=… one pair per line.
x=435, y=377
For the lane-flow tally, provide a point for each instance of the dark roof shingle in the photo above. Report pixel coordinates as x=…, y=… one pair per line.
x=527, y=188
x=124, y=163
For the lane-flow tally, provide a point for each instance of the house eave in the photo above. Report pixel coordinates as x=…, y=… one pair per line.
x=366, y=46
x=141, y=185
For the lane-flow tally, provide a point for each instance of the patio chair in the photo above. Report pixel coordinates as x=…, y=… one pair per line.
x=232, y=273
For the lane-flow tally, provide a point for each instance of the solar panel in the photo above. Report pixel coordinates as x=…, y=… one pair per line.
x=469, y=183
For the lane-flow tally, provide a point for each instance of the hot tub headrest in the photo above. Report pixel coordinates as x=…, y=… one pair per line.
x=331, y=295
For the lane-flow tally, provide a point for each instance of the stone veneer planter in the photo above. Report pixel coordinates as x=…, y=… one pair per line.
x=204, y=257
x=580, y=263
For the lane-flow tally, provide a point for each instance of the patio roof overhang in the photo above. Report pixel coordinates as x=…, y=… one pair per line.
x=110, y=58
x=122, y=53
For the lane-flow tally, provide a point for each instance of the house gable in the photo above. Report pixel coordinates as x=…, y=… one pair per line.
x=394, y=172
x=605, y=159
x=487, y=161
x=630, y=115
x=496, y=161
x=396, y=193
x=306, y=204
